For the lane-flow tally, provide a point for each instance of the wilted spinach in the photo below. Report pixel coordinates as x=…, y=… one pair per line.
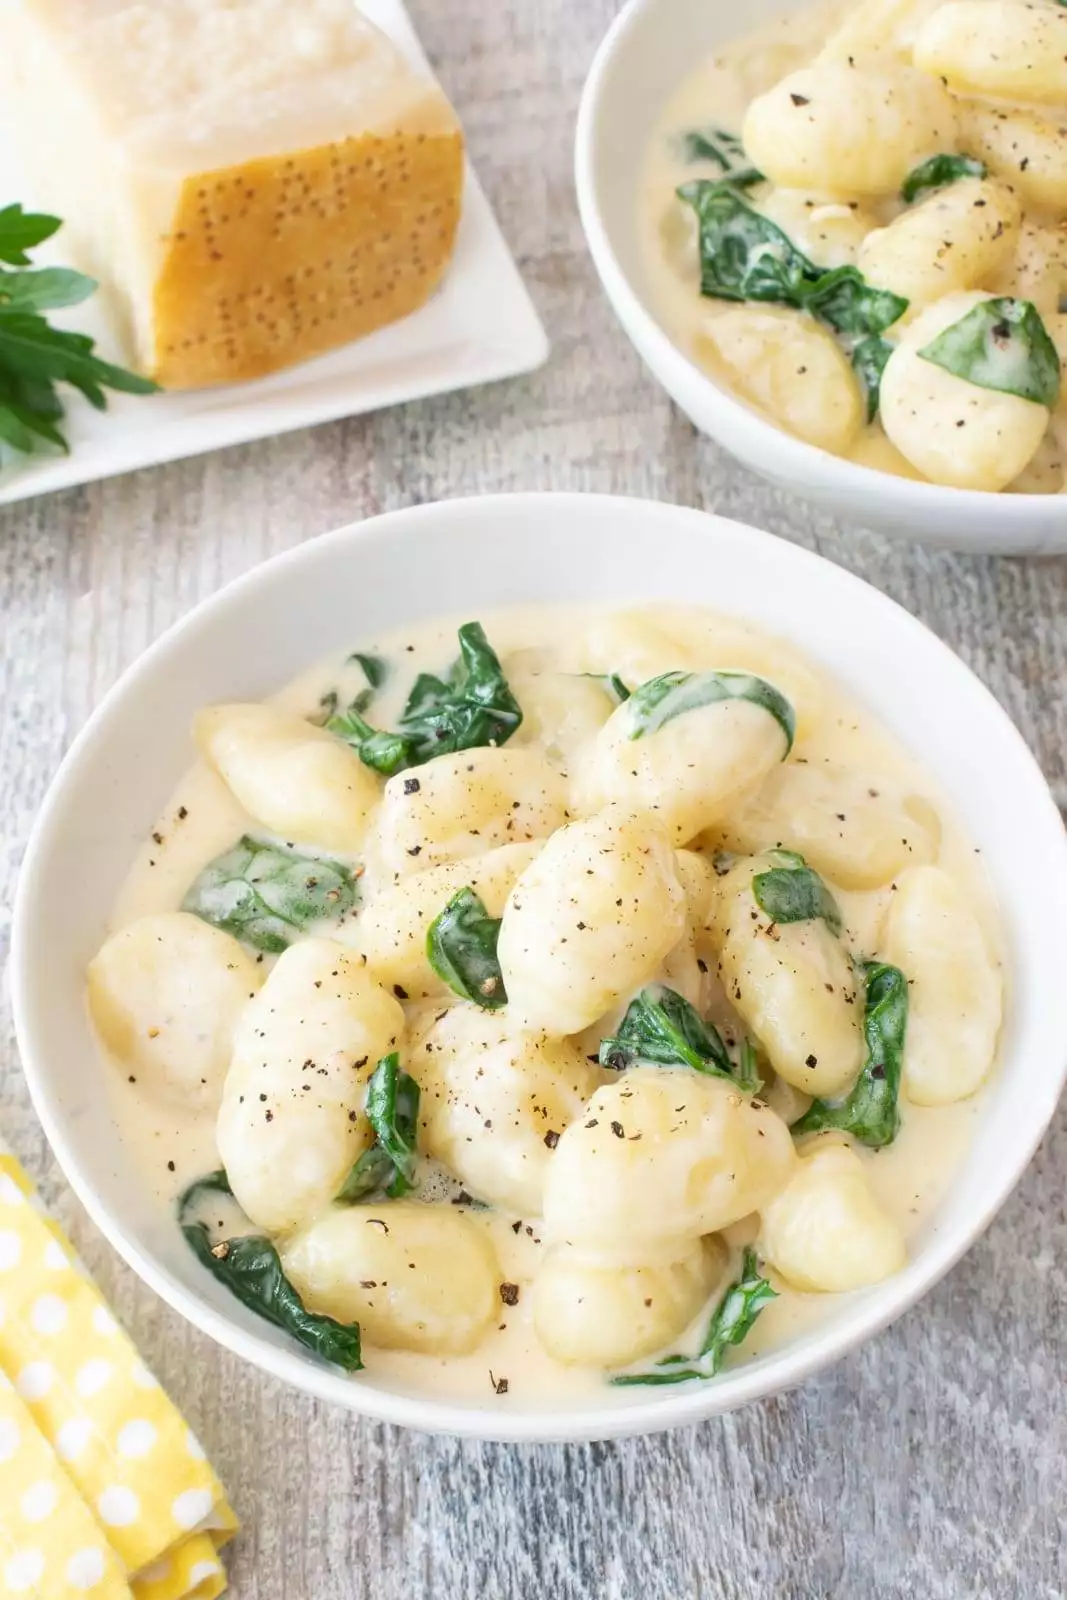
x=725, y=150
x=250, y=1267
x=266, y=895
x=1003, y=345
x=870, y=1111
x=791, y=892
x=731, y=1322
x=661, y=699
x=662, y=1027
x=393, y=1112
x=939, y=171
x=470, y=707
x=461, y=949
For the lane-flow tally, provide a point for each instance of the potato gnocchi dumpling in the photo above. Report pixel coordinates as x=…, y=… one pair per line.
x=793, y=984
x=165, y=994
x=292, y=1119
x=580, y=1048
x=846, y=130
x=590, y=919
x=496, y=1101
x=296, y=780
x=791, y=368
x=596, y=1313
x=663, y=1153
x=960, y=237
x=460, y=805
x=394, y=924
x=688, y=771
x=414, y=1277
x=999, y=49
x=953, y=430
x=857, y=829
x=825, y=1232
x=956, y=992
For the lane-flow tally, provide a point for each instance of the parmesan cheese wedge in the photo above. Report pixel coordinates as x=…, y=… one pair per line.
x=252, y=181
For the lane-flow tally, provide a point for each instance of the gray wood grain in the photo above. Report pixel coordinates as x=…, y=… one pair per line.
x=933, y=1463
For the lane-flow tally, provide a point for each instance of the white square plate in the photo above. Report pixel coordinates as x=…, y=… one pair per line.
x=480, y=325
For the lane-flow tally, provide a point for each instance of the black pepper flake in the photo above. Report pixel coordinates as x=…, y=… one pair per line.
x=592, y=1123
x=800, y=99
x=412, y=785
x=131, y=1078
x=158, y=837
x=500, y=1385
x=462, y=1198
x=878, y=1071
x=618, y=1130
x=170, y=1166
x=552, y=1138
x=263, y=1098
x=183, y=812
x=811, y=1061
x=416, y=850
x=509, y=1293
x=400, y=992
x=516, y=1227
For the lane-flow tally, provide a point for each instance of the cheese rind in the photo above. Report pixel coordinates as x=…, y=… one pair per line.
x=302, y=192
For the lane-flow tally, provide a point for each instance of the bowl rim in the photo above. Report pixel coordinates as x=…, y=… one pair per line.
x=798, y=461
x=779, y=1370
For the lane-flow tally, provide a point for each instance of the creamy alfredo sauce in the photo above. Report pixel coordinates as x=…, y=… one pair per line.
x=202, y=819
x=718, y=93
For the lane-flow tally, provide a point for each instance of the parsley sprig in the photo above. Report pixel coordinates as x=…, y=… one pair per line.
x=35, y=357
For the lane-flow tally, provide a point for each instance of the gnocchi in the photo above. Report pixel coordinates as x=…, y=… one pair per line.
x=590, y=919
x=596, y=1313
x=165, y=994
x=956, y=995
x=462, y=804
x=296, y=780
x=664, y=1153
x=820, y=202
x=553, y=1107
x=292, y=1120
x=955, y=431
x=480, y=1076
x=414, y=1277
x=825, y=1232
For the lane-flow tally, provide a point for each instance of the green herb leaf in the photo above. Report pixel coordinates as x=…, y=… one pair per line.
x=21, y=231
x=870, y=1111
x=469, y=708
x=251, y=1269
x=1002, y=345
x=461, y=949
x=267, y=896
x=375, y=668
x=869, y=358
x=940, y=171
x=49, y=289
x=673, y=693
x=791, y=891
x=746, y=1072
x=731, y=1322
x=846, y=302
x=662, y=1027
x=611, y=684
x=393, y=1113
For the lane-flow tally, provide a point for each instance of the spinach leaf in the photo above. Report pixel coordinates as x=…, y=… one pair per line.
x=868, y=358
x=746, y=1072
x=746, y=256
x=251, y=1269
x=731, y=1322
x=387, y=753
x=267, y=895
x=725, y=150
x=673, y=693
x=393, y=1113
x=472, y=706
x=661, y=1026
x=870, y=1111
x=610, y=682
x=21, y=231
x=791, y=892
x=940, y=171
x=375, y=668
x=1003, y=345
x=461, y=949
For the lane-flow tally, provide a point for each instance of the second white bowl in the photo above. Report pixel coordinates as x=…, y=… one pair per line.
x=651, y=47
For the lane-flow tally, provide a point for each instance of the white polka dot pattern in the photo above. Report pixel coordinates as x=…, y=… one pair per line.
x=104, y=1489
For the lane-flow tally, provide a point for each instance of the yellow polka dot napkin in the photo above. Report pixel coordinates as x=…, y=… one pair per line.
x=104, y=1491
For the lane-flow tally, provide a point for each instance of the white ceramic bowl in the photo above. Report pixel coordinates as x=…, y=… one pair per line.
x=650, y=48
x=471, y=556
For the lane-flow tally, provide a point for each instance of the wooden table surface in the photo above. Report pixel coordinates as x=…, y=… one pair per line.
x=932, y=1463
